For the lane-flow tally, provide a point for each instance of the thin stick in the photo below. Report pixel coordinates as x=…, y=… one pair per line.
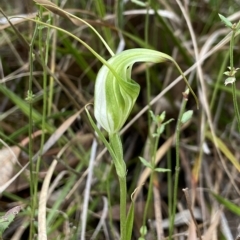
x=158, y=211
x=83, y=221
x=187, y=196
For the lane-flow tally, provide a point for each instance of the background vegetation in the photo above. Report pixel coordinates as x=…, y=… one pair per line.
x=48, y=77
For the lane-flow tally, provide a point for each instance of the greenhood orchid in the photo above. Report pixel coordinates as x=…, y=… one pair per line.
x=116, y=92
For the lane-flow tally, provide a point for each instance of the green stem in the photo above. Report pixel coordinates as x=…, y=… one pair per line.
x=231, y=50
x=149, y=196
x=53, y=62
x=149, y=118
x=215, y=94
x=123, y=205
x=169, y=177
x=177, y=168
x=116, y=145
x=148, y=83
x=44, y=60
x=151, y=179
x=37, y=166
x=30, y=130
x=235, y=104
x=120, y=17
x=110, y=212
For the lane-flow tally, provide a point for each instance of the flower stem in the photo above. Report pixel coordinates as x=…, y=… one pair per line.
x=231, y=49
x=120, y=166
x=123, y=205
x=150, y=190
x=234, y=85
x=236, y=105
x=177, y=168
x=30, y=131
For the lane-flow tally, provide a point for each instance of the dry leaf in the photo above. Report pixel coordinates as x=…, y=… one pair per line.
x=192, y=231
x=52, y=8
x=76, y=21
x=212, y=230
x=8, y=158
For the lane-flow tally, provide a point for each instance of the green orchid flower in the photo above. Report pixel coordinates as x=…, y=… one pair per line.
x=116, y=92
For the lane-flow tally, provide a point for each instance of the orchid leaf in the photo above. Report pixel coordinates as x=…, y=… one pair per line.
x=145, y=163
x=226, y=21
x=130, y=219
x=186, y=116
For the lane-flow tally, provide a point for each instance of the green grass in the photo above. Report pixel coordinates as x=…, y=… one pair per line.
x=60, y=73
